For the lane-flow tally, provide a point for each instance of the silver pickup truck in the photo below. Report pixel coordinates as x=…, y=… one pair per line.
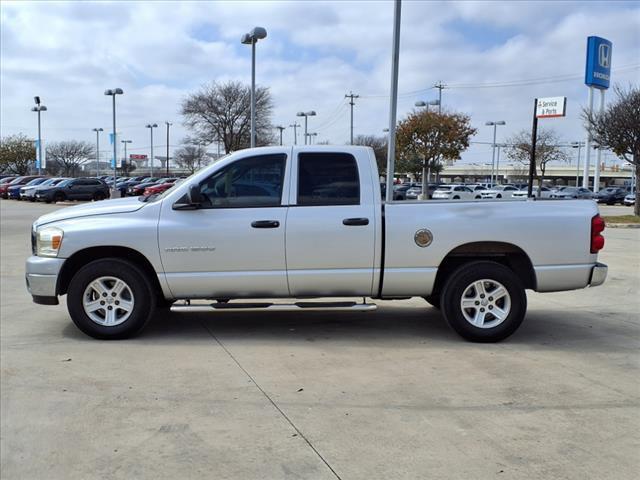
x=304, y=223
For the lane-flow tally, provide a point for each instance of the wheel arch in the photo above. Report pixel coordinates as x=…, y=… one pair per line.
x=82, y=257
x=507, y=254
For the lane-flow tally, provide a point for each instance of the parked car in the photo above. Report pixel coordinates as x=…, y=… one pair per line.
x=28, y=192
x=545, y=192
x=455, y=192
x=158, y=188
x=21, y=181
x=568, y=193
x=414, y=192
x=74, y=189
x=611, y=195
x=400, y=191
x=6, y=177
x=136, y=189
x=630, y=200
x=13, y=192
x=320, y=233
x=499, y=192
x=123, y=185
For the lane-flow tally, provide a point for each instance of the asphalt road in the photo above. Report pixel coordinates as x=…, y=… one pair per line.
x=391, y=394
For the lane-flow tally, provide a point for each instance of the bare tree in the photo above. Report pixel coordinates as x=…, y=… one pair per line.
x=223, y=112
x=17, y=154
x=379, y=145
x=618, y=129
x=548, y=150
x=191, y=157
x=65, y=158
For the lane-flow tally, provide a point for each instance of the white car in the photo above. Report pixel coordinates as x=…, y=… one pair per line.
x=544, y=193
x=569, y=193
x=630, y=199
x=499, y=191
x=455, y=192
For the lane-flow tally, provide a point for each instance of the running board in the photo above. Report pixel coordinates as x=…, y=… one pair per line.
x=276, y=307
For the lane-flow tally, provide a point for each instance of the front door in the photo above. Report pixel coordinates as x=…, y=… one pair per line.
x=331, y=226
x=233, y=246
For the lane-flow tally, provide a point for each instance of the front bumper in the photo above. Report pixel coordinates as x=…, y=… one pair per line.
x=598, y=274
x=42, y=278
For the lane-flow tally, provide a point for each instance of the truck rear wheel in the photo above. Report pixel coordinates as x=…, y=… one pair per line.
x=484, y=301
x=110, y=298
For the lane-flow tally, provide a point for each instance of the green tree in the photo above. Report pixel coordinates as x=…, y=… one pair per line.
x=425, y=139
x=618, y=129
x=548, y=150
x=17, y=154
x=223, y=111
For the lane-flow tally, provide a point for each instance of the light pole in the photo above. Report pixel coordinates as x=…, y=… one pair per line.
x=125, y=151
x=39, y=108
x=281, y=128
x=295, y=126
x=579, y=146
x=251, y=38
x=422, y=103
x=151, y=126
x=113, y=93
x=306, y=116
x=168, y=125
x=493, y=157
x=311, y=135
x=352, y=96
x=98, y=130
x=500, y=145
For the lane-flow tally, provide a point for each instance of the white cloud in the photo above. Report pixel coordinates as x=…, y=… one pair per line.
x=316, y=52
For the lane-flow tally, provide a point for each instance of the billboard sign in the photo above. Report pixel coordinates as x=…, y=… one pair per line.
x=598, y=69
x=551, y=107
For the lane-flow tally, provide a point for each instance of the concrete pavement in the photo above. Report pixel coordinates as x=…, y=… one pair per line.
x=389, y=394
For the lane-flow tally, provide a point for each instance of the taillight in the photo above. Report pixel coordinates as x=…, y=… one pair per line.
x=597, y=240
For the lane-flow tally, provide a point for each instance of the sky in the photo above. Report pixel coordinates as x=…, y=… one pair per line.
x=494, y=58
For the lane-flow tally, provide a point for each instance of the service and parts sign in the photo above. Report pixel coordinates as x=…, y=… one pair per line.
x=551, y=107
x=598, y=70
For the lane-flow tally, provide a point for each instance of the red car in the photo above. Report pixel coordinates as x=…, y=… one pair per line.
x=158, y=188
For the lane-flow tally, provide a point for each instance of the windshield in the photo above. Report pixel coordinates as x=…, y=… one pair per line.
x=444, y=189
x=64, y=183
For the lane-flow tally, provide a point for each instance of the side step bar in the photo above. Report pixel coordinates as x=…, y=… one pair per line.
x=275, y=307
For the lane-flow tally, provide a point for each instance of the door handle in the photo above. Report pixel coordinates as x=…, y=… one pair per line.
x=265, y=224
x=355, y=221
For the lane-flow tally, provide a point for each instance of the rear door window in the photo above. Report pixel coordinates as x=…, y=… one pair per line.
x=327, y=178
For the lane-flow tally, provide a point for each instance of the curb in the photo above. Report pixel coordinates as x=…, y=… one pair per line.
x=623, y=225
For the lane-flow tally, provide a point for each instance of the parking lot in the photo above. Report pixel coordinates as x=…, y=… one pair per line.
x=389, y=394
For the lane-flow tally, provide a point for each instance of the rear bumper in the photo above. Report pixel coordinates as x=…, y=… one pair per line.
x=598, y=274
x=42, y=278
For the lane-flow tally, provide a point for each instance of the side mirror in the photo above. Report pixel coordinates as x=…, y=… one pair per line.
x=193, y=199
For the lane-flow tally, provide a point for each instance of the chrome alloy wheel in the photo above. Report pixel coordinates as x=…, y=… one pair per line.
x=108, y=301
x=485, y=303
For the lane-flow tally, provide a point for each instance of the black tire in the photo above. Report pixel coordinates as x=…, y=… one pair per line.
x=59, y=197
x=462, y=279
x=478, y=197
x=98, y=196
x=498, y=196
x=456, y=198
x=433, y=300
x=137, y=281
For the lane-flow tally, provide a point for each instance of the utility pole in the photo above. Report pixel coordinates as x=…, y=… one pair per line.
x=295, y=126
x=281, y=128
x=352, y=103
x=168, y=125
x=440, y=86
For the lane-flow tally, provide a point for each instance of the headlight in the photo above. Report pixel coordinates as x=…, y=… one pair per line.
x=48, y=241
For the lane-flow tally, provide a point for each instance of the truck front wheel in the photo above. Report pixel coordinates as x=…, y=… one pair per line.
x=484, y=301
x=110, y=298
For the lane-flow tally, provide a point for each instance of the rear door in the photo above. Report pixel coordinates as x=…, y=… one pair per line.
x=331, y=225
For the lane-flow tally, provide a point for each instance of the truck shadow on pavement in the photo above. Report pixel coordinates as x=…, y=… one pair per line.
x=388, y=325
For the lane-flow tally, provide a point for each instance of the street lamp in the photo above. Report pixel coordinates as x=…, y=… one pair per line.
x=168, y=125
x=579, y=146
x=98, y=130
x=151, y=126
x=113, y=93
x=306, y=116
x=281, y=129
x=39, y=108
x=493, y=158
x=251, y=38
x=125, y=150
x=311, y=135
x=422, y=103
